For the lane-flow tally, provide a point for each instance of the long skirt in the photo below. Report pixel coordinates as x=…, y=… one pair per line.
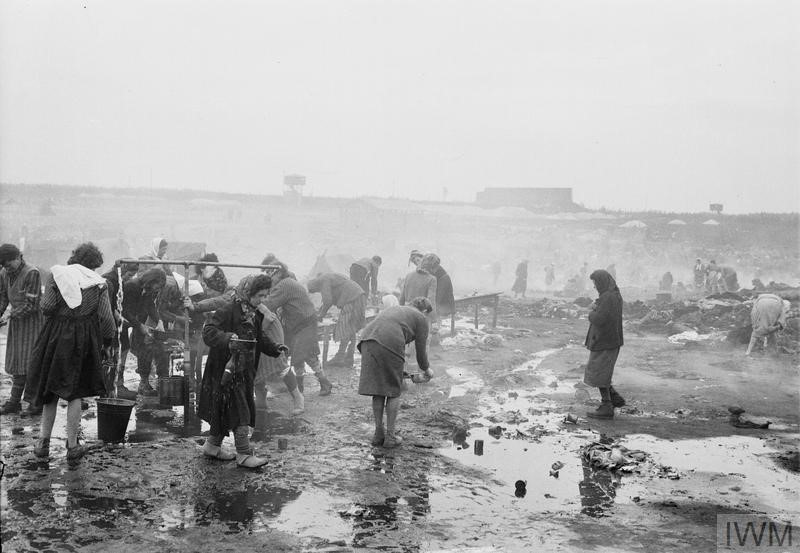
x=381, y=371
x=351, y=319
x=520, y=285
x=226, y=408
x=67, y=360
x=600, y=368
x=22, y=334
x=303, y=344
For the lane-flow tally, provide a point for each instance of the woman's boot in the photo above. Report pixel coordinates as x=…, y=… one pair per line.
x=604, y=411
x=616, y=399
x=260, y=430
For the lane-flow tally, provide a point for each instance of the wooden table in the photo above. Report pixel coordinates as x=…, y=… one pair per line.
x=492, y=300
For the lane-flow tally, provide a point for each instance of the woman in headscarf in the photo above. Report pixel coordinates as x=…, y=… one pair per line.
x=768, y=316
x=382, y=348
x=158, y=249
x=226, y=394
x=67, y=358
x=603, y=341
x=445, y=300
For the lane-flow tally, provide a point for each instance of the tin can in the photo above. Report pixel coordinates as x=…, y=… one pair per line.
x=283, y=443
x=478, y=447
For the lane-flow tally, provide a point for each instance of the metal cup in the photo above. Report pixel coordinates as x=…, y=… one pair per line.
x=478, y=447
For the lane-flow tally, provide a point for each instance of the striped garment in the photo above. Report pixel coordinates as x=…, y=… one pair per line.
x=21, y=290
x=351, y=319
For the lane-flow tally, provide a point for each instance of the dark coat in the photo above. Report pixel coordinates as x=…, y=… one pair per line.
x=219, y=407
x=445, y=300
x=605, y=319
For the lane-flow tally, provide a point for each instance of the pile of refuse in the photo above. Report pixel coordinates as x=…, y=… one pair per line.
x=609, y=454
x=723, y=316
x=470, y=338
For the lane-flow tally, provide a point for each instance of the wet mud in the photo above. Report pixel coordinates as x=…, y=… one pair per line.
x=523, y=401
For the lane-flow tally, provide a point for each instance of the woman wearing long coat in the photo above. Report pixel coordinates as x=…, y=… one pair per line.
x=226, y=394
x=603, y=340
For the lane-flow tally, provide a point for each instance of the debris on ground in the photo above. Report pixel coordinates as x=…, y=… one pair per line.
x=470, y=338
x=740, y=419
x=555, y=467
x=612, y=456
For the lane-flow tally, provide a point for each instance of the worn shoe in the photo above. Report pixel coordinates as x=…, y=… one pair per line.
x=250, y=461
x=10, y=407
x=325, y=386
x=616, y=399
x=216, y=452
x=378, y=438
x=75, y=453
x=34, y=410
x=335, y=361
x=145, y=389
x=299, y=402
x=392, y=441
x=42, y=448
x=604, y=411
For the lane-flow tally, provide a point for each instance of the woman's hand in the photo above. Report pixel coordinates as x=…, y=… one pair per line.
x=188, y=304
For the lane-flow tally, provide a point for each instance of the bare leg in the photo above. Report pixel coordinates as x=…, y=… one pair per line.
x=378, y=403
x=392, y=408
x=48, y=419
x=73, y=422
x=753, y=339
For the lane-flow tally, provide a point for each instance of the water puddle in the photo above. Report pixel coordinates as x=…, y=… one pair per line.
x=466, y=381
x=746, y=461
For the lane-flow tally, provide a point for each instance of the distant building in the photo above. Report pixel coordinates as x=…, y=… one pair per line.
x=535, y=199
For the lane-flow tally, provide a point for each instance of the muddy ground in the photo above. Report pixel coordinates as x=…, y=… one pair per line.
x=331, y=491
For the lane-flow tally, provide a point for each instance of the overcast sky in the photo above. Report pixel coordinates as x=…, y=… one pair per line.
x=665, y=105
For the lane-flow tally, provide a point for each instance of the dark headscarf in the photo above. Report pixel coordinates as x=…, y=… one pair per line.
x=153, y=276
x=603, y=281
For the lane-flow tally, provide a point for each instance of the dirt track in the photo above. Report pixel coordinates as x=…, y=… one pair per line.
x=331, y=491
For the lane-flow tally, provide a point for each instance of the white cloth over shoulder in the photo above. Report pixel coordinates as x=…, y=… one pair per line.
x=195, y=287
x=71, y=279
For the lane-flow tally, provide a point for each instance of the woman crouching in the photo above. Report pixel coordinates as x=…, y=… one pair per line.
x=226, y=394
x=382, y=348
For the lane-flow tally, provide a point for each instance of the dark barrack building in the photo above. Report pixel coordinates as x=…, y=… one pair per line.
x=535, y=199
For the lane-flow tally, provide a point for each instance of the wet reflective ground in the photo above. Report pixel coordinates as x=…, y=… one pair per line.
x=331, y=491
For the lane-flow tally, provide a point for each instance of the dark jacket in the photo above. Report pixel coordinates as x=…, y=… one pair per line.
x=136, y=305
x=445, y=301
x=336, y=289
x=212, y=407
x=297, y=310
x=605, y=319
x=394, y=327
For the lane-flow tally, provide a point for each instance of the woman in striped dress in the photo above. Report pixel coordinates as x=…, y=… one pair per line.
x=20, y=289
x=67, y=359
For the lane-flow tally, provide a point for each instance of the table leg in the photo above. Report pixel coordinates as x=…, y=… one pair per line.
x=494, y=317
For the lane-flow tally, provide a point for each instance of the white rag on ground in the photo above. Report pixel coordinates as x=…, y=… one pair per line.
x=71, y=279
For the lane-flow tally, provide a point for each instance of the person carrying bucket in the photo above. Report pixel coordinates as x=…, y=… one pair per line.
x=68, y=355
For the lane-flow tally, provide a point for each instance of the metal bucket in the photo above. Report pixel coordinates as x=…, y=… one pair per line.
x=112, y=418
x=172, y=390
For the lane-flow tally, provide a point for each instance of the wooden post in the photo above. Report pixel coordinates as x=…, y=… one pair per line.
x=477, y=307
x=187, y=346
x=494, y=317
x=453, y=323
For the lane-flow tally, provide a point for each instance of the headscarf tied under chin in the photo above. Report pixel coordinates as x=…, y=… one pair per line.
x=241, y=295
x=155, y=245
x=428, y=263
x=603, y=281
